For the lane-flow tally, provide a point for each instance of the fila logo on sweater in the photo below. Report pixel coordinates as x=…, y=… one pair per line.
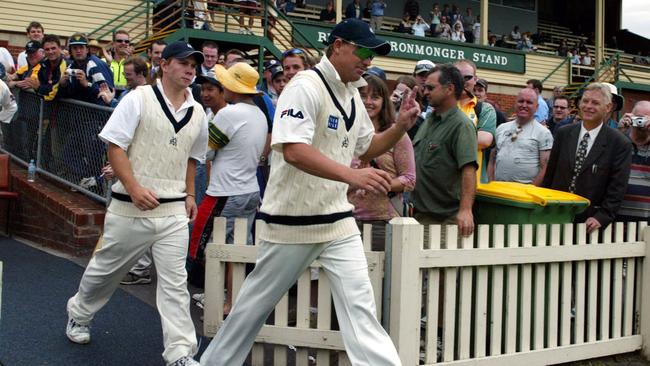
x=291, y=113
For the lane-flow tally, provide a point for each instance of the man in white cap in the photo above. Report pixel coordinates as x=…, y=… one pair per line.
x=321, y=125
x=617, y=105
x=420, y=73
x=155, y=136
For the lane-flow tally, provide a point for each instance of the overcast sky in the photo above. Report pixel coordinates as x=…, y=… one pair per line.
x=636, y=16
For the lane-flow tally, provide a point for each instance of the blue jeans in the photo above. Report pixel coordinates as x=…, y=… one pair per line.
x=244, y=206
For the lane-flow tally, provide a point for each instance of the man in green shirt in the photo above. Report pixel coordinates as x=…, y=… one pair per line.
x=445, y=156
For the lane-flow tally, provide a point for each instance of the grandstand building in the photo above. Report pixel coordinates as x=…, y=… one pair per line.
x=593, y=27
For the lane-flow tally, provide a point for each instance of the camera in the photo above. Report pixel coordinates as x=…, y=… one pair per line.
x=638, y=121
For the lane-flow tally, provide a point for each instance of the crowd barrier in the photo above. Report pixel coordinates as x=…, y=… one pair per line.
x=507, y=295
x=61, y=137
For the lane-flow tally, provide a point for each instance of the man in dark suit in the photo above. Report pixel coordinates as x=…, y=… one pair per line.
x=591, y=160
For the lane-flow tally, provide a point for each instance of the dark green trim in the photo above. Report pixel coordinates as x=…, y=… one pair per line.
x=566, y=59
x=244, y=39
x=632, y=86
x=409, y=47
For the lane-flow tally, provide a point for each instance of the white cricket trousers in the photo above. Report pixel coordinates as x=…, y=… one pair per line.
x=126, y=239
x=277, y=268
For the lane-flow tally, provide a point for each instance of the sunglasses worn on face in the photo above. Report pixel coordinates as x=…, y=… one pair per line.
x=468, y=77
x=122, y=41
x=293, y=51
x=362, y=52
x=428, y=87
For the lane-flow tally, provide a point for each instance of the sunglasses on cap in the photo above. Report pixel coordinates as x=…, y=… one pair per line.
x=293, y=51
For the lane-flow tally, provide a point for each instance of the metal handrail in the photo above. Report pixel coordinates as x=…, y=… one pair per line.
x=142, y=11
x=566, y=59
x=297, y=30
x=604, y=64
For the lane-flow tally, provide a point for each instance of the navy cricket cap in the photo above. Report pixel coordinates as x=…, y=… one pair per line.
x=208, y=77
x=275, y=71
x=32, y=46
x=271, y=64
x=359, y=33
x=78, y=40
x=181, y=50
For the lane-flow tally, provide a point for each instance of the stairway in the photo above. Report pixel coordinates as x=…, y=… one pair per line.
x=606, y=73
x=175, y=20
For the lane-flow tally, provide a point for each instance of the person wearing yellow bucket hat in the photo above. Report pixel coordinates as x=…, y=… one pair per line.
x=237, y=135
x=240, y=78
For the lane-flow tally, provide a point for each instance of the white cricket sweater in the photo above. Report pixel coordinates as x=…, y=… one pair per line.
x=158, y=155
x=299, y=207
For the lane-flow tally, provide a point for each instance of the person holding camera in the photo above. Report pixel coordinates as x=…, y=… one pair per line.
x=420, y=27
x=85, y=75
x=635, y=206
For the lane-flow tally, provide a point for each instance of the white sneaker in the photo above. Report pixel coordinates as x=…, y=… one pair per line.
x=185, y=361
x=77, y=333
x=200, y=297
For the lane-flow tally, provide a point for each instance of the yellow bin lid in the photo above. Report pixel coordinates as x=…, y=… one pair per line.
x=527, y=193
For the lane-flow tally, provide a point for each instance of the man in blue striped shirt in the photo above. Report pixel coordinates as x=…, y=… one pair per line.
x=85, y=74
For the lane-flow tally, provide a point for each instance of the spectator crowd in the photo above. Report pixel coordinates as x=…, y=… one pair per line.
x=430, y=170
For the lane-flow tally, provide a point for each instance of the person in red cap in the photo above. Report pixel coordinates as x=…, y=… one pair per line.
x=321, y=124
x=155, y=137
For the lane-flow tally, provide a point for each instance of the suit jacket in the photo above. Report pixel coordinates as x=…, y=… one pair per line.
x=604, y=175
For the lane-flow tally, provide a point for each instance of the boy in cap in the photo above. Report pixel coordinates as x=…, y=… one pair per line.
x=85, y=74
x=155, y=136
x=278, y=81
x=26, y=77
x=321, y=126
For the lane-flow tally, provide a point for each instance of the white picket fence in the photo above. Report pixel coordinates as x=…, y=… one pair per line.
x=300, y=326
x=508, y=295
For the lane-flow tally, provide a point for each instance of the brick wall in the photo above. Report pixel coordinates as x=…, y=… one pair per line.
x=505, y=101
x=54, y=216
x=13, y=49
